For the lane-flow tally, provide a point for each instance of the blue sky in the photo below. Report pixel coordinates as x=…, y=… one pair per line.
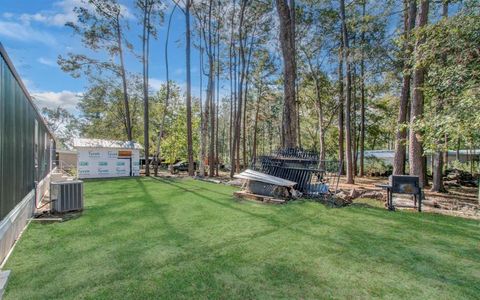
x=33, y=33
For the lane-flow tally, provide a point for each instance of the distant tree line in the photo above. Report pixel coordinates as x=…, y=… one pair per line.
x=338, y=77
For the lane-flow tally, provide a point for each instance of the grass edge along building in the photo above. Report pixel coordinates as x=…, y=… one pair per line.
x=27, y=154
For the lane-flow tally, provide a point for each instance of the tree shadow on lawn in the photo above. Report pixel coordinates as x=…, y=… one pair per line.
x=394, y=245
x=235, y=205
x=108, y=236
x=218, y=251
x=356, y=240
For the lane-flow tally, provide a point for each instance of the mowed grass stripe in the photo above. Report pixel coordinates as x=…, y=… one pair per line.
x=150, y=238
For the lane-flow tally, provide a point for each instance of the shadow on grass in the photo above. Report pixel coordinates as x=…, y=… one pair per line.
x=114, y=248
x=390, y=247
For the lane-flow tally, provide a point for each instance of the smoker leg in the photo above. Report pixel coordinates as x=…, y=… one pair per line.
x=420, y=201
x=390, y=200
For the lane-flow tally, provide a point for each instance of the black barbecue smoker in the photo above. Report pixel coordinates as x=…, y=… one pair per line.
x=403, y=184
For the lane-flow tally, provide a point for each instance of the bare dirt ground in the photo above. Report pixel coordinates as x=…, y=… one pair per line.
x=458, y=201
x=223, y=177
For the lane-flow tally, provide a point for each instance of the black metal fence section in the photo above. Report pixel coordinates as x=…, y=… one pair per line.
x=314, y=177
x=26, y=144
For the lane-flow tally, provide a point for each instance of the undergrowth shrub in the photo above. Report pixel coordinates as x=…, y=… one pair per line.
x=375, y=166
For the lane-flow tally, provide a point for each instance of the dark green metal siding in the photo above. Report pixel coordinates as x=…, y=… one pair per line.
x=18, y=170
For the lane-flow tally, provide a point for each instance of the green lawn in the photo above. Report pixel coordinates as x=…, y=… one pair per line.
x=148, y=238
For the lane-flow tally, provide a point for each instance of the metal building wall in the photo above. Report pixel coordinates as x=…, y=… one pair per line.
x=22, y=161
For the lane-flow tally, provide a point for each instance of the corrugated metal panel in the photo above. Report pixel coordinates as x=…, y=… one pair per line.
x=99, y=143
x=18, y=116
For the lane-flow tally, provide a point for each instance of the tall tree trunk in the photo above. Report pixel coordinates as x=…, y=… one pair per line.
x=287, y=41
x=437, y=183
x=255, y=126
x=401, y=135
x=321, y=129
x=211, y=93
x=437, y=170
x=362, y=122
x=217, y=94
x=416, y=159
x=341, y=100
x=145, y=53
x=354, y=113
x=472, y=152
x=211, y=96
x=445, y=155
x=319, y=107
x=191, y=170
x=203, y=118
x=457, y=152
x=236, y=144
x=362, y=95
x=230, y=136
x=244, y=123
x=158, y=156
x=238, y=117
x=299, y=131
x=247, y=81
x=233, y=85
x=123, y=74
x=348, y=87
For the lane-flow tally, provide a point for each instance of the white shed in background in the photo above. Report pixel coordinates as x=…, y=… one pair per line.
x=106, y=158
x=388, y=156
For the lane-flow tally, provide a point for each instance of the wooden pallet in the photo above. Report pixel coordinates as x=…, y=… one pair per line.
x=258, y=198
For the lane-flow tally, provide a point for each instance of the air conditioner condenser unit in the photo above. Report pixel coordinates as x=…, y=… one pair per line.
x=66, y=196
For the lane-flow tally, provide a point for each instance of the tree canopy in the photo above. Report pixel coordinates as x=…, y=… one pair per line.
x=322, y=75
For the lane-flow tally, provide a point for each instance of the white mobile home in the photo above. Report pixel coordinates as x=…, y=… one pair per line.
x=464, y=156
x=98, y=158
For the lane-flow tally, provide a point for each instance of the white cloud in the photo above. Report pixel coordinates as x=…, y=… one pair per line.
x=155, y=83
x=126, y=12
x=46, y=61
x=25, y=33
x=7, y=15
x=61, y=13
x=28, y=83
x=27, y=18
x=22, y=26
x=65, y=99
x=66, y=13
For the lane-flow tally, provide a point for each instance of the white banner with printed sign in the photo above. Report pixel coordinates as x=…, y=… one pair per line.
x=101, y=162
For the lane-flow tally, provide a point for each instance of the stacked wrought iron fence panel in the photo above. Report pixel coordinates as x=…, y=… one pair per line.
x=314, y=177
x=17, y=135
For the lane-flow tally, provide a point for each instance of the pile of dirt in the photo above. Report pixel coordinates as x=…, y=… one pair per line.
x=344, y=198
x=459, y=201
x=340, y=199
x=364, y=193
